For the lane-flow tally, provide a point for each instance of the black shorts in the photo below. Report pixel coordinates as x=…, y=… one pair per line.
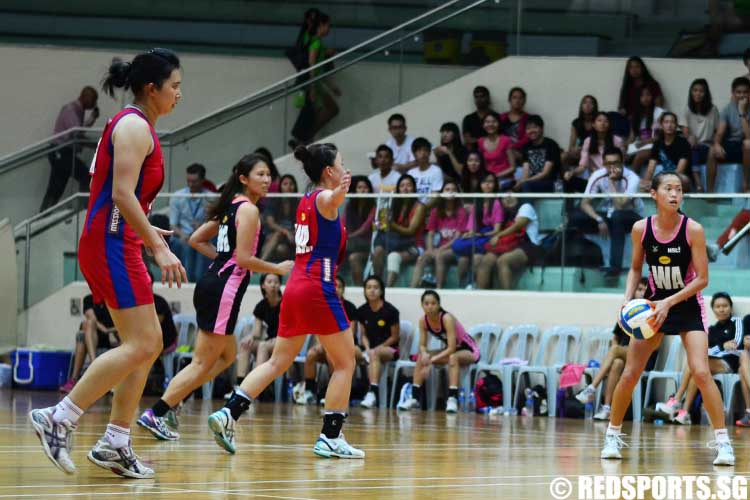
x=686, y=316
x=733, y=362
x=217, y=298
x=533, y=252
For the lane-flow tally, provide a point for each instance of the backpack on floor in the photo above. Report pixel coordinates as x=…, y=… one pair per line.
x=489, y=392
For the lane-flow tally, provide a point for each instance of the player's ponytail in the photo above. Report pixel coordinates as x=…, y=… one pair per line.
x=315, y=158
x=233, y=186
x=116, y=77
x=154, y=66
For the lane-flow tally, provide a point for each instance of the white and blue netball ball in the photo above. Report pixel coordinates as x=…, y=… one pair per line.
x=636, y=319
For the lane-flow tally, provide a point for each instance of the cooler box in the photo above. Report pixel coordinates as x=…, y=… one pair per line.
x=34, y=369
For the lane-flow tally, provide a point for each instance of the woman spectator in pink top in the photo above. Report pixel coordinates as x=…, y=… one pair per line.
x=513, y=123
x=483, y=221
x=358, y=218
x=496, y=150
x=600, y=138
x=446, y=222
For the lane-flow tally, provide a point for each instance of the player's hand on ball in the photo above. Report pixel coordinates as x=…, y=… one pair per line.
x=285, y=267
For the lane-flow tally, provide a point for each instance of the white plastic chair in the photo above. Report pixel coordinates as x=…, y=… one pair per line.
x=486, y=335
x=278, y=383
x=404, y=363
x=406, y=332
x=673, y=356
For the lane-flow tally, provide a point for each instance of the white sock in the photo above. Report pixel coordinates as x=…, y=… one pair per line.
x=242, y=393
x=117, y=436
x=607, y=407
x=614, y=429
x=66, y=410
x=722, y=436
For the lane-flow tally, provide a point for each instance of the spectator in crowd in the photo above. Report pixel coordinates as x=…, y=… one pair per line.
x=275, y=177
x=726, y=354
x=380, y=333
x=613, y=217
x=600, y=139
x=671, y=152
x=299, y=55
x=166, y=321
x=699, y=124
x=64, y=160
x=459, y=350
x=385, y=179
x=473, y=123
x=280, y=217
x=444, y=226
x=644, y=127
x=614, y=363
x=316, y=354
x=400, y=144
x=428, y=176
x=637, y=76
x=325, y=105
x=266, y=313
x=186, y=213
x=541, y=160
x=496, y=151
x=451, y=154
x=359, y=216
x=513, y=123
x=511, y=250
x=580, y=129
x=740, y=220
x=732, y=137
x=401, y=237
x=471, y=178
x=97, y=331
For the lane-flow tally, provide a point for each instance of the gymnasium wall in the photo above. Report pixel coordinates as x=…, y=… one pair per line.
x=8, y=300
x=51, y=321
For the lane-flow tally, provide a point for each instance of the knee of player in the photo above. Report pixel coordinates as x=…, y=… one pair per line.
x=630, y=377
x=453, y=359
x=701, y=375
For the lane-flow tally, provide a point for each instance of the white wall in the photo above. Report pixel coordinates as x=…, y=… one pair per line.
x=554, y=86
x=8, y=295
x=50, y=322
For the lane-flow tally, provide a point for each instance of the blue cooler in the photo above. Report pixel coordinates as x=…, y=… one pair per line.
x=34, y=369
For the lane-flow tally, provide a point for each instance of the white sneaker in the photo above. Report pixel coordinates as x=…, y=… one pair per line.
x=451, y=406
x=671, y=407
x=221, y=424
x=56, y=438
x=338, y=447
x=585, y=395
x=683, y=418
x=409, y=404
x=298, y=390
x=121, y=461
x=612, y=445
x=370, y=400
x=724, y=452
x=602, y=414
x=306, y=398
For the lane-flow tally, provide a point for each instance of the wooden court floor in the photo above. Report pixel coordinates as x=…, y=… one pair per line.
x=409, y=456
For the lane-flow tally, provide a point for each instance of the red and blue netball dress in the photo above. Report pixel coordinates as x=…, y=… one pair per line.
x=109, y=252
x=310, y=304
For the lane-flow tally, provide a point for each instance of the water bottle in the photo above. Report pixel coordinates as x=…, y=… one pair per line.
x=461, y=400
x=589, y=411
x=472, y=402
x=290, y=391
x=528, y=410
x=487, y=410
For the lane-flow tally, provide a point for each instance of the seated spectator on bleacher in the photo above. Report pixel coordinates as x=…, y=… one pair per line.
x=379, y=334
x=671, y=152
x=458, y=350
x=316, y=354
x=644, y=128
x=385, y=178
x=614, y=363
x=97, y=331
x=613, y=218
x=592, y=154
x=731, y=142
x=358, y=218
x=496, y=150
x=513, y=124
x=451, y=154
x=168, y=328
x=636, y=76
x=473, y=123
x=580, y=128
x=185, y=215
x=541, y=160
x=429, y=177
x=266, y=313
x=280, y=216
x=740, y=220
x=400, y=143
x=444, y=225
x=699, y=122
x=515, y=247
x=401, y=237
x=473, y=174
x=275, y=177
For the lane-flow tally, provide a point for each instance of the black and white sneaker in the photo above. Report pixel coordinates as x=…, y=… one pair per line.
x=56, y=438
x=122, y=461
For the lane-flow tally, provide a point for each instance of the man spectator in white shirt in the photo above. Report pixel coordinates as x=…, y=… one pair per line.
x=185, y=215
x=385, y=178
x=429, y=176
x=400, y=143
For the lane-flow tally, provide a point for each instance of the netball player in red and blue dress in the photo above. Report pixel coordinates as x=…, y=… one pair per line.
x=310, y=306
x=127, y=173
x=674, y=248
x=235, y=221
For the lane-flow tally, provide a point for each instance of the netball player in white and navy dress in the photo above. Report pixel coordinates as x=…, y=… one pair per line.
x=674, y=248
